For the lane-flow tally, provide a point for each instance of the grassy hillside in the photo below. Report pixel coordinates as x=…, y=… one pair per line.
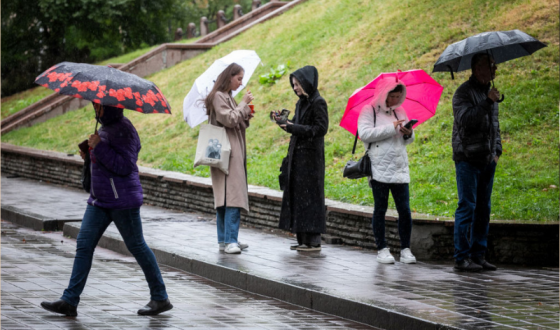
x=351, y=42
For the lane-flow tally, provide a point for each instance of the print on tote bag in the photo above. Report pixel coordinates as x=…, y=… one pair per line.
x=214, y=149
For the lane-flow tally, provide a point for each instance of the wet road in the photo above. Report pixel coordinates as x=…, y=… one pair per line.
x=36, y=267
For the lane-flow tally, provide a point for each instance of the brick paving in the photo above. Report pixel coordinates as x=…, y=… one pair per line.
x=36, y=267
x=510, y=298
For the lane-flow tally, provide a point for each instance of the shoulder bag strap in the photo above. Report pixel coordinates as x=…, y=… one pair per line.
x=357, y=133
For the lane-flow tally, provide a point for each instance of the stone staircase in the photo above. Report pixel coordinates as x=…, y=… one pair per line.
x=162, y=57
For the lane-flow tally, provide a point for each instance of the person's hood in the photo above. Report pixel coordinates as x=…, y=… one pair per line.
x=382, y=90
x=111, y=115
x=308, y=78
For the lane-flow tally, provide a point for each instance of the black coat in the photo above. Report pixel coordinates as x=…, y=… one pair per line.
x=303, y=203
x=476, y=128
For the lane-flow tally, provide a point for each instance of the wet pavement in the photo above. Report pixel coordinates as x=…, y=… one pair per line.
x=36, y=267
x=510, y=298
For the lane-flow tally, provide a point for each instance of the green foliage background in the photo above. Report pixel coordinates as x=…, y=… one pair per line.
x=351, y=42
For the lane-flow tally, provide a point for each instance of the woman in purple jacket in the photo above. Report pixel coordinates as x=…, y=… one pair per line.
x=115, y=196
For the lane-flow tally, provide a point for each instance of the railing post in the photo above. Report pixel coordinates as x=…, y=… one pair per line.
x=220, y=19
x=256, y=4
x=237, y=12
x=203, y=26
x=178, y=34
x=191, y=32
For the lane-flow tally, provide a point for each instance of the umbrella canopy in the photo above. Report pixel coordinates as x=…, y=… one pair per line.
x=502, y=45
x=422, y=97
x=106, y=86
x=194, y=110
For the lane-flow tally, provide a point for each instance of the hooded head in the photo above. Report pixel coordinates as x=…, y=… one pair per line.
x=383, y=88
x=308, y=78
x=110, y=115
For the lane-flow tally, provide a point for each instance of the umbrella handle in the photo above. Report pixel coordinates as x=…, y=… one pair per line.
x=502, y=99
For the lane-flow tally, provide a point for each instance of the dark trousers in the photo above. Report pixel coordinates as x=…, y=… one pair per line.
x=309, y=239
x=401, y=197
x=95, y=222
x=474, y=187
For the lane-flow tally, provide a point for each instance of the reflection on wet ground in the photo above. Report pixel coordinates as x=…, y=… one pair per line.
x=37, y=268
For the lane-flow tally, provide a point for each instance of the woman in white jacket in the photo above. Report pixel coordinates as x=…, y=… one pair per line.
x=381, y=126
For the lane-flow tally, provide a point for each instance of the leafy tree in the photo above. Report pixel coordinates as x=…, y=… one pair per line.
x=40, y=33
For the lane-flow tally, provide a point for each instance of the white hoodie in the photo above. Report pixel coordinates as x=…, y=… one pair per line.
x=389, y=160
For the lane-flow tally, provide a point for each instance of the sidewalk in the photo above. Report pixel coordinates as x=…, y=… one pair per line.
x=36, y=267
x=339, y=280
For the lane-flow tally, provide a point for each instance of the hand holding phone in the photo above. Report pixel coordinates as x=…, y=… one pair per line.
x=408, y=126
x=411, y=123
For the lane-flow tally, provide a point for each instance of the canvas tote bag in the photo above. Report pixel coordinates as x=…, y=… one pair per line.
x=213, y=148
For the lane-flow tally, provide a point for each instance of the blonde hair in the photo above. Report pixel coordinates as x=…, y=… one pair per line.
x=300, y=85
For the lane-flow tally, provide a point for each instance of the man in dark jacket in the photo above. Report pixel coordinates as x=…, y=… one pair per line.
x=476, y=149
x=115, y=196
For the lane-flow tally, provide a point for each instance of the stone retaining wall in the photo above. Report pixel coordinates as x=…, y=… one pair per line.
x=509, y=242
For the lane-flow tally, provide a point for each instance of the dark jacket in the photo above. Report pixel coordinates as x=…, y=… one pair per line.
x=115, y=183
x=476, y=128
x=303, y=202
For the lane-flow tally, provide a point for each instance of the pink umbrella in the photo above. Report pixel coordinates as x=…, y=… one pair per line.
x=422, y=97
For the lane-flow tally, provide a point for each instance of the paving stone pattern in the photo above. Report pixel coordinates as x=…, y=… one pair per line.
x=510, y=298
x=36, y=267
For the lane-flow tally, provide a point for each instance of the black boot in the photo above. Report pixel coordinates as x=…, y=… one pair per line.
x=61, y=307
x=485, y=264
x=467, y=265
x=155, y=307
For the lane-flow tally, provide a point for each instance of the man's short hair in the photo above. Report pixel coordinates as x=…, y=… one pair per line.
x=477, y=58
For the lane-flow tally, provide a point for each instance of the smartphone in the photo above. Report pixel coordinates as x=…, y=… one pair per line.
x=84, y=146
x=284, y=114
x=411, y=123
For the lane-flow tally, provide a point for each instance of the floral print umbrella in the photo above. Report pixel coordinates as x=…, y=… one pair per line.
x=105, y=85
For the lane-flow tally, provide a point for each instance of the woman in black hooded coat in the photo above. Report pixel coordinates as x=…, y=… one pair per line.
x=303, y=169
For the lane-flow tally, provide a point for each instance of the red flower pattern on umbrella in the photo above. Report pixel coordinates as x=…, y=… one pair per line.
x=104, y=85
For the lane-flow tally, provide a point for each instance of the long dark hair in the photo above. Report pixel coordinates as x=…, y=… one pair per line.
x=222, y=84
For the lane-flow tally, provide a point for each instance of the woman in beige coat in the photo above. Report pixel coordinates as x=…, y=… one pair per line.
x=230, y=191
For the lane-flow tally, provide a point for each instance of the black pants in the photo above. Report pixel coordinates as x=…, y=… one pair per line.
x=309, y=239
x=381, y=199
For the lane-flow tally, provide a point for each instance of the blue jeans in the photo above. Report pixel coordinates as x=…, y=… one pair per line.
x=381, y=199
x=228, y=219
x=95, y=222
x=474, y=186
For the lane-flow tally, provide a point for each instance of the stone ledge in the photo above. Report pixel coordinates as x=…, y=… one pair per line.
x=432, y=238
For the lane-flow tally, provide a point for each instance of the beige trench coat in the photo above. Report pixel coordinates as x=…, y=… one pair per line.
x=231, y=190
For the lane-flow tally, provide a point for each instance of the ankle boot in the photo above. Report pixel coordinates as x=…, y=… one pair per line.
x=155, y=307
x=61, y=307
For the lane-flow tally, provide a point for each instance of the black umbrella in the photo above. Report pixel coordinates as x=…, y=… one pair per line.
x=501, y=45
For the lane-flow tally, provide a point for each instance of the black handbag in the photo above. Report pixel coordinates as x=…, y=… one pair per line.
x=86, y=174
x=283, y=177
x=361, y=168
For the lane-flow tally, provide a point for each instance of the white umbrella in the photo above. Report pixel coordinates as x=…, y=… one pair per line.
x=194, y=110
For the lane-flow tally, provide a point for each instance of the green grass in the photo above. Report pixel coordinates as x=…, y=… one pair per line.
x=16, y=102
x=351, y=42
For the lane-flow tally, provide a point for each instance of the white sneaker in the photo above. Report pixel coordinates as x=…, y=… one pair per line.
x=384, y=256
x=232, y=248
x=242, y=246
x=222, y=246
x=407, y=257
